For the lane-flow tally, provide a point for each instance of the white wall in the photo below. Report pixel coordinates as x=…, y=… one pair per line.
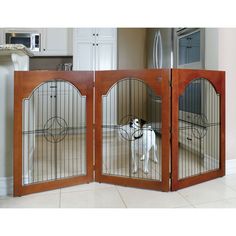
x=221, y=55
x=211, y=48
x=6, y=117
x=227, y=62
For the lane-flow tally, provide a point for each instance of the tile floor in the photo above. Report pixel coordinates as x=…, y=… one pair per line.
x=218, y=193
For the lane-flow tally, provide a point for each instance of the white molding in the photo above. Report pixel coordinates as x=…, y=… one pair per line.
x=6, y=183
x=230, y=167
x=6, y=186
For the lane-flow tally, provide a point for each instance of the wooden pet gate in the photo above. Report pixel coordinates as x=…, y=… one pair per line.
x=160, y=129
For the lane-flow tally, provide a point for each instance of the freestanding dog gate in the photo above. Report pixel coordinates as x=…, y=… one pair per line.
x=158, y=129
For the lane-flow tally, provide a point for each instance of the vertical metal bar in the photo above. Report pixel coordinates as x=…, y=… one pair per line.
x=47, y=97
x=41, y=127
x=28, y=136
x=77, y=131
x=130, y=112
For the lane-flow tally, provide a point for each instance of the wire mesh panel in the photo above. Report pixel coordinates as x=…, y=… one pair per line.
x=199, y=129
x=132, y=128
x=198, y=126
x=132, y=131
x=54, y=129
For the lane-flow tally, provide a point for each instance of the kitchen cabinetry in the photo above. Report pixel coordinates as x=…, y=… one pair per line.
x=1, y=37
x=95, y=49
x=53, y=41
x=56, y=42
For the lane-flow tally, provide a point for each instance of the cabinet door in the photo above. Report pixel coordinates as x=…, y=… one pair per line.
x=105, y=34
x=105, y=56
x=85, y=34
x=1, y=37
x=57, y=42
x=84, y=56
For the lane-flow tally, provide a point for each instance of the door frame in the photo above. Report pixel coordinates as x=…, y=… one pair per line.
x=180, y=79
x=103, y=82
x=24, y=84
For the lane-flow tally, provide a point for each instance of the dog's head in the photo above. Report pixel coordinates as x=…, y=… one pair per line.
x=137, y=123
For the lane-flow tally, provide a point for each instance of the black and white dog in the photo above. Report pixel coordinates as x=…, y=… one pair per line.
x=143, y=139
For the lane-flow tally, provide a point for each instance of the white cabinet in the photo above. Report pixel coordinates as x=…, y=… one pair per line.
x=95, y=49
x=53, y=41
x=1, y=36
x=56, y=42
x=105, y=56
x=84, y=57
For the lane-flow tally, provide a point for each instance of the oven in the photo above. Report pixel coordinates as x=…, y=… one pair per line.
x=190, y=44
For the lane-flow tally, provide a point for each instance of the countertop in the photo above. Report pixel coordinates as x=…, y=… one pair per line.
x=20, y=49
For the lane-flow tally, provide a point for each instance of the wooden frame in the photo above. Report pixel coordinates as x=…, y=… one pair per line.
x=25, y=83
x=158, y=80
x=167, y=83
x=180, y=79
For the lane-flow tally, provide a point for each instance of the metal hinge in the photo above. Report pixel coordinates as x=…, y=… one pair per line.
x=170, y=175
x=170, y=83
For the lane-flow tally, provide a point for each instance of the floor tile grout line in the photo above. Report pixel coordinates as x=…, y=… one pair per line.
x=84, y=190
x=222, y=199
x=194, y=205
x=186, y=199
x=230, y=187
x=121, y=197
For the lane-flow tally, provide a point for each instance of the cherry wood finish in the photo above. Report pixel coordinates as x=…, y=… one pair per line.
x=180, y=79
x=158, y=80
x=24, y=84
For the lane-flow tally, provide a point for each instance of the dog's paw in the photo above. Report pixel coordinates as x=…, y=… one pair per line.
x=155, y=161
x=135, y=170
x=142, y=158
x=146, y=171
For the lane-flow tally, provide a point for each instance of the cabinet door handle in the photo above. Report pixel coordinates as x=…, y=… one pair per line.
x=189, y=139
x=97, y=34
x=97, y=44
x=93, y=34
x=93, y=44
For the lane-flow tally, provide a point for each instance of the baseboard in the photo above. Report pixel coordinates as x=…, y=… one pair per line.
x=230, y=167
x=6, y=186
x=6, y=183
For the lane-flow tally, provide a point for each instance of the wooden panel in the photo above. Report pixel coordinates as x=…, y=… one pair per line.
x=25, y=83
x=180, y=79
x=158, y=81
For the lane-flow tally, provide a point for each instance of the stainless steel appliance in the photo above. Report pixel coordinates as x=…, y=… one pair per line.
x=190, y=48
x=179, y=48
x=30, y=40
x=160, y=48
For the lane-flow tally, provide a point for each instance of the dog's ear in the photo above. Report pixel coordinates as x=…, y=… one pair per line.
x=142, y=122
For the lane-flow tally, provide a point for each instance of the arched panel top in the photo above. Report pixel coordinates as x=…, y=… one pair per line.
x=30, y=80
x=183, y=77
x=105, y=80
x=52, y=85
x=202, y=81
x=131, y=79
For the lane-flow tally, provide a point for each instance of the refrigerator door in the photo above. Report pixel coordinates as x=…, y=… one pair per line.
x=159, y=48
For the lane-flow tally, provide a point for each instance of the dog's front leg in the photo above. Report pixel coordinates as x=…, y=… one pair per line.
x=155, y=154
x=146, y=162
x=133, y=154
